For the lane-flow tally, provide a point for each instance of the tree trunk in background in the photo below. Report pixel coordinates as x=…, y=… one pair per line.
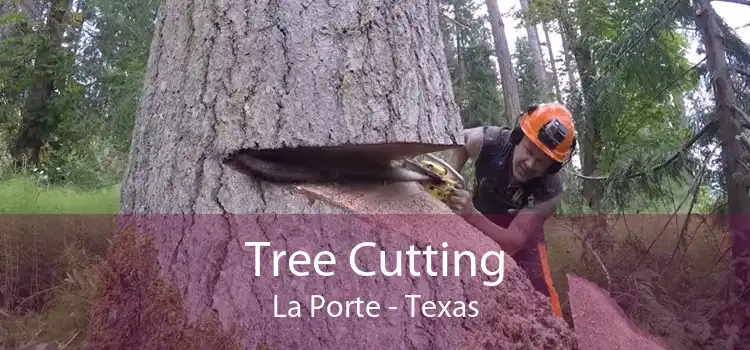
x=569, y=68
x=536, y=56
x=229, y=76
x=38, y=118
x=448, y=46
x=732, y=152
x=510, y=85
x=589, y=134
x=679, y=102
x=553, y=64
x=460, y=70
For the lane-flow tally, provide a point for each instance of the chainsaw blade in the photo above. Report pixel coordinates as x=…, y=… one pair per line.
x=350, y=171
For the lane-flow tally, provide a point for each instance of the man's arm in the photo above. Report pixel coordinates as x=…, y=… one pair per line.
x=526, y=224
x=529, y=222
x=473, y=139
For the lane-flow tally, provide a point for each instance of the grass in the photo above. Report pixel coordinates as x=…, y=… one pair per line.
x=47, y=256
x=21, y=195
x=48, y=279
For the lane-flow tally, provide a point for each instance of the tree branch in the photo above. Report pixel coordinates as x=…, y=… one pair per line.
x=743, y=116
x=708, y=127
x=741, y=71
x=741, y=2
x=453, y=20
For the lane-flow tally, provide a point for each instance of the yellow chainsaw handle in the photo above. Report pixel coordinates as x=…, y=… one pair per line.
x=455, y=173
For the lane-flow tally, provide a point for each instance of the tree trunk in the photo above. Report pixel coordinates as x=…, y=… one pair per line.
x=460, y=62
x=732, y=152
x=569, y=68
x=229, y=76
x=509, y=83
x=590, y=139
x=553, y=64
x=448, y=45
x=536, y=56
x=38, y=119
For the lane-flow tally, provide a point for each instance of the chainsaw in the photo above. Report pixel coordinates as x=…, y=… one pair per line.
x=336, y=165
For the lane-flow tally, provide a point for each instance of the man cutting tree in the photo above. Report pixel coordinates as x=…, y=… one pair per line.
x=517, y=186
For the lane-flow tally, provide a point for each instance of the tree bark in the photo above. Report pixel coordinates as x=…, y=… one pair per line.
x=229, y=76
x=367, y=75
x=508, y=80
x=732, y=151
x=536, y=56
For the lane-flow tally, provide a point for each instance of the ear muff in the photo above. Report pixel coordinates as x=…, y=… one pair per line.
x=557, y=166
x=516, y=135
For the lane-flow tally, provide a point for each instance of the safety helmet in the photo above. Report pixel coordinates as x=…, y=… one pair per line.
x=550, y=127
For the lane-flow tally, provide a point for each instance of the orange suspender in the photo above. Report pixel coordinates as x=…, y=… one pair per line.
x=553, y=297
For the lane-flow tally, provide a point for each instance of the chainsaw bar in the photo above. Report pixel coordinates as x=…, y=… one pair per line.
x=362, y=164
x=348, y=172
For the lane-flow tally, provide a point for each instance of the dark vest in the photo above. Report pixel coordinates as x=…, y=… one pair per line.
x=494, y=196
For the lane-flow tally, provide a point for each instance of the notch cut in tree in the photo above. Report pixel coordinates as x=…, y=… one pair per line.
x=229, y=76
x=233, y=76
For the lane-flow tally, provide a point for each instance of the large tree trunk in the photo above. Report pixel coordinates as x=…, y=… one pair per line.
x=536, y=56
x=229, y=76
x=732, y=152
x=508, y=80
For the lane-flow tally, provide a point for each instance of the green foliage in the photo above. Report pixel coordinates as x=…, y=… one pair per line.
x=475, y=80
x=637, y=68
x=17, y=51
x=119, y=64
x=483, y=105
x=97, y=85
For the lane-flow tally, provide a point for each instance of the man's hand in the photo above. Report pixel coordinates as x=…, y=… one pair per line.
x=460, y=202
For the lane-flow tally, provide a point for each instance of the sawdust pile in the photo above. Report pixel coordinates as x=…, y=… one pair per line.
x=138, y=309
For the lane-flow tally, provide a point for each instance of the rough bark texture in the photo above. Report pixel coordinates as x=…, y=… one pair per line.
x=229, y=75
x=508, y=80
x=732, y=151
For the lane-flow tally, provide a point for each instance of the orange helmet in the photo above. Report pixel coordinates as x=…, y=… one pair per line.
x=550, y=127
